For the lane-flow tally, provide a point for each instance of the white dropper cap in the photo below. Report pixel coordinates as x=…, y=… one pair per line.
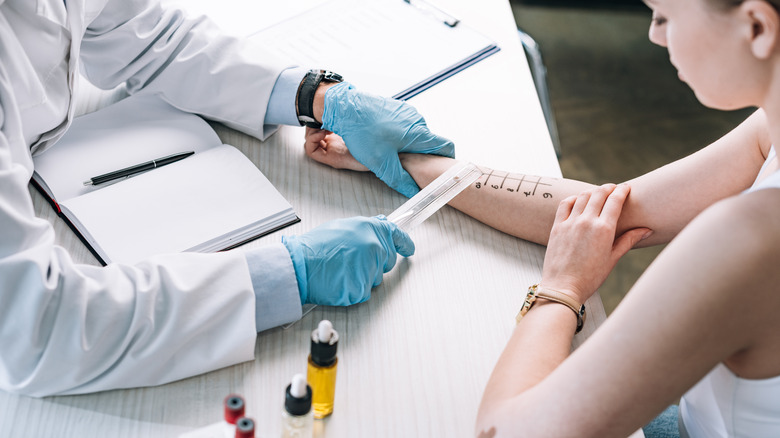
x=298, y=388
x=324, y=342
x=297, y=396
x=324, y=331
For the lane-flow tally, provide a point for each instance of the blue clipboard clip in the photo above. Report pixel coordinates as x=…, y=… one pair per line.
x=446, y=18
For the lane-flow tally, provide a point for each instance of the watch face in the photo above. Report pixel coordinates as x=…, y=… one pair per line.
x=530, y=298
x=332, y=77
x=528, y=303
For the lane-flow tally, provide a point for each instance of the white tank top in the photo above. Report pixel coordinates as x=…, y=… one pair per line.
x=724, y=405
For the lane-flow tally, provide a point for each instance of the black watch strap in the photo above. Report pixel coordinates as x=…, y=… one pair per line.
x=305, y=96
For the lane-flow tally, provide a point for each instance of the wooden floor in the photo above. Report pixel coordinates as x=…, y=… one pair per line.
x=620, y=108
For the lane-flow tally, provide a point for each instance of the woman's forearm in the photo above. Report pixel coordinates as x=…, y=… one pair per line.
x=664, y=200
x=521, y=205
x=539, y=343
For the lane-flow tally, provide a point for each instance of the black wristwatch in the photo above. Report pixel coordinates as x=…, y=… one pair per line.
x=305, y=96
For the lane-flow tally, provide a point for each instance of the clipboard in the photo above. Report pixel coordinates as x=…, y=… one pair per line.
x=394, y=48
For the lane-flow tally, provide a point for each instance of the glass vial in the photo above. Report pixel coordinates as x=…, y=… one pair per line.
x=322, y=368
x=297, y=416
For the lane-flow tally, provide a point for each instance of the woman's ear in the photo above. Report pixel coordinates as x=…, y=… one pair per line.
x=764, y=22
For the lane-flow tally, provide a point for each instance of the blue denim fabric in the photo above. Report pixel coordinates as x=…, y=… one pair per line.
x=664, y=425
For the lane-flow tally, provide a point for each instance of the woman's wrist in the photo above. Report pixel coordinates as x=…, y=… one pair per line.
x=554, y=314
x=318, y=106
x=537, y=292
x=425, y=168
x=562, y=290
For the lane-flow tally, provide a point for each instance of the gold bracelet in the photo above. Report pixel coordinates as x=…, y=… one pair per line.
x=535, y=292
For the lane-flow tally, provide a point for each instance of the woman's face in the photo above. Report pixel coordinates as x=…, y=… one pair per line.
x=706, y=49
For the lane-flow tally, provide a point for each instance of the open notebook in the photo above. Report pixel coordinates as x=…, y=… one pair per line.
x=214, y=200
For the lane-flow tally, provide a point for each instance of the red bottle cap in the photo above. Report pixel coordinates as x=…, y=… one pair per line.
x=245, y=428
x=234, y=408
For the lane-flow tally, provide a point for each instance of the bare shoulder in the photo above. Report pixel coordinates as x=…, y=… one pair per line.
x=739, y=235
x=750, y=221
x=743, y=255
x=749, y=142
x=719, y=280
x=758, y=124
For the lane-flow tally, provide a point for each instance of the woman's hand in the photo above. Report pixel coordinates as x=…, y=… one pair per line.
x=583, y=249
x=328, y=148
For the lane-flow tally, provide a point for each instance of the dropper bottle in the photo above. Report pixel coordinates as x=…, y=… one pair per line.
x=322, y=368
x=297, y=417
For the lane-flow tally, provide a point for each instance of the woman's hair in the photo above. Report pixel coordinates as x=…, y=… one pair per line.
x=727, y=4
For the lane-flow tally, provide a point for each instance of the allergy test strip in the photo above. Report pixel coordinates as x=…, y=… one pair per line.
x=430, y=199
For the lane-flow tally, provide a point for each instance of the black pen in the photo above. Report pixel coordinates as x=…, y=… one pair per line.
x=138, y=168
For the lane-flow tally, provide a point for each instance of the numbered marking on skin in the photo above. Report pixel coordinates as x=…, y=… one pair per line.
x=512, y=183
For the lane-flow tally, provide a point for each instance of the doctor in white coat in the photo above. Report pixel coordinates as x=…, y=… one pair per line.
x=67, y=328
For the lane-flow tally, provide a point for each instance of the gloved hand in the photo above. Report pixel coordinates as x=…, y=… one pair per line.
x=376, y=129
x=337, y=263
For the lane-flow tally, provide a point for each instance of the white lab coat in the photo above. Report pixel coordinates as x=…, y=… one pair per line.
x=69, y=328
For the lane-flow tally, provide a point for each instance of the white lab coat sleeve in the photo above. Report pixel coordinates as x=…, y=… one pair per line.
x=67, y=328
x=189, y=61
x=276, y=288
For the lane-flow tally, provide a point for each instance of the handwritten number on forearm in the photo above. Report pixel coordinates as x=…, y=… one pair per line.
x=513, y=183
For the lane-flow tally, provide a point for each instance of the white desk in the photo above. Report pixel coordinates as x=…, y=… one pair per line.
x=415, y=358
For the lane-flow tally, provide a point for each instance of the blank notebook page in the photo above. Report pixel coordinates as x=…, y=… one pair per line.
x=133, y=218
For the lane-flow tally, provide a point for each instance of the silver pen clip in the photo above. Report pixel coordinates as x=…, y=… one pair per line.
x=428, y=7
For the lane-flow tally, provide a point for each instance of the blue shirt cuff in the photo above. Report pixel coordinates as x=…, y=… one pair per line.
x=276, y=289
x=281, y=105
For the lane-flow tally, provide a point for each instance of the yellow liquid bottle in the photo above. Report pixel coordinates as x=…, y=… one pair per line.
x=323, y=386
x=321, y=373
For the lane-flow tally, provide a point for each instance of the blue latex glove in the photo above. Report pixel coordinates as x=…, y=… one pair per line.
x=337, y=263
x=376, y=129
